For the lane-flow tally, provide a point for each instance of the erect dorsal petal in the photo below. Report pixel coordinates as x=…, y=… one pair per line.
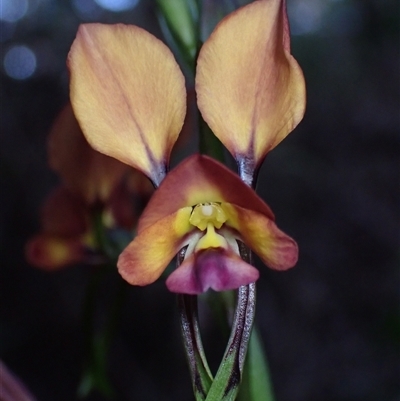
x=250, y=90
x=128, y=95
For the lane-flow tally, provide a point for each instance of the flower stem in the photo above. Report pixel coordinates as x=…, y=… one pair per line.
x=98, y=342
x=94, y=376
x=209, y=144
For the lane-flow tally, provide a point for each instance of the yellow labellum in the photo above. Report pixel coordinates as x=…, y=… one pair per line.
x=211, y=239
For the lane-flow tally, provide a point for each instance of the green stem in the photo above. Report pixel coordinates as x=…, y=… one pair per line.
x=97, y=344
x=111, y=325
x=99, y=231
x=209, y=144
x=222, y=305
x=92, y=377
x=257, y=384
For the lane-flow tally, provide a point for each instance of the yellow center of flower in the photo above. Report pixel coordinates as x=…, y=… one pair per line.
x=205, y=213
x=209, y=216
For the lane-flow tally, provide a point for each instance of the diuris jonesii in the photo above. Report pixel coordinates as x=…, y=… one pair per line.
x=203, y=205
x=129, y=96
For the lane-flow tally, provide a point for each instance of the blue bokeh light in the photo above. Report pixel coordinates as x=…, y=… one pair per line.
x=117, y=5
x=13, y=10
x=19, y=62
x=306, y=16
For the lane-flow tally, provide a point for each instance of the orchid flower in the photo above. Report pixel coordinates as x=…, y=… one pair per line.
x=129, y=97
x=203, y=205
x=64, y=238
x=90, y=181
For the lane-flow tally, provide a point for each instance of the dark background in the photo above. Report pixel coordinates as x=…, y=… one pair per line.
x=330, y=326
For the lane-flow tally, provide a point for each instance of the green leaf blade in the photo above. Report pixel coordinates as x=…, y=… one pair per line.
x=257, y=385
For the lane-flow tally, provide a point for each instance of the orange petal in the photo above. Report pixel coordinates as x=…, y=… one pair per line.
x=199, y=179
x=52, y=253
x=146, y=257
x=128, y=94
x=276, y=249
x=84, y=171
x=250, y=90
